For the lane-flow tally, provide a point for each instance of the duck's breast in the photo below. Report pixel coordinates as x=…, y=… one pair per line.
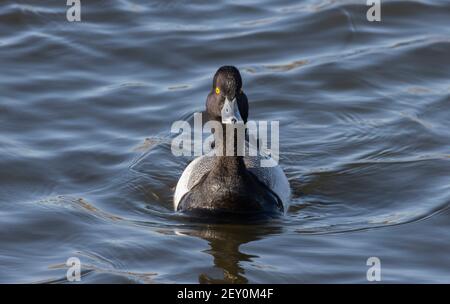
x=273, y=177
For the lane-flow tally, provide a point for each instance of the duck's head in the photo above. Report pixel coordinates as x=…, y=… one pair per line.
x=227, y=102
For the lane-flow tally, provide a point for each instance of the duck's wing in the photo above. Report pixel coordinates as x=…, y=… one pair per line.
x=191, y=176
x=272, y=176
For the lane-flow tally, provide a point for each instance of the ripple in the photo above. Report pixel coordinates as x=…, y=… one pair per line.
x=87, y=170
x=287, y=67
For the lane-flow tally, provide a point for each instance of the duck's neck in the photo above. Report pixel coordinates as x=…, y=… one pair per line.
x=228, y=161
x=232, y=141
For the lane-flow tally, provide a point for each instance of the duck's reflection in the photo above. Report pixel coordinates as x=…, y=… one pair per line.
x=224, y=241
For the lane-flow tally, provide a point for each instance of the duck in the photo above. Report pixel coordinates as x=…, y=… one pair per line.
x=218, y=184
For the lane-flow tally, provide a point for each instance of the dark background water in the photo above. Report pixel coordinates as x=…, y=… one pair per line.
x=85, y=116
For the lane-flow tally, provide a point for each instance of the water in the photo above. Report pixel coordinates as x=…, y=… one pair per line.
x=85, y=116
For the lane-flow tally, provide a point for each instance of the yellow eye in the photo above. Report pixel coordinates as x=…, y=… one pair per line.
x=217, y=91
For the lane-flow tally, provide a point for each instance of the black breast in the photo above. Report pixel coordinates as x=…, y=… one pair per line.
x=230, y=188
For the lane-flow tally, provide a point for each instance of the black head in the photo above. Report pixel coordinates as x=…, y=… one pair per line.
x=228, y=80
x=227, y=102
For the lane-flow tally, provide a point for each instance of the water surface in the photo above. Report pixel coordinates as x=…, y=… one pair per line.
x=85, y=116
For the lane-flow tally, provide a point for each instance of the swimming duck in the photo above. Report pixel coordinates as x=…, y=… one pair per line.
x=230, y=184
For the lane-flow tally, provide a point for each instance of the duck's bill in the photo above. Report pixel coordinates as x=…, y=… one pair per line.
x=230, y=112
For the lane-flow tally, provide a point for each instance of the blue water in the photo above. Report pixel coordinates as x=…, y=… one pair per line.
x=86, y=169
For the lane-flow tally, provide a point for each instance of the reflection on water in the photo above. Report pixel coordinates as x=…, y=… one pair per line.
x=85, y=163
x=225, y=242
